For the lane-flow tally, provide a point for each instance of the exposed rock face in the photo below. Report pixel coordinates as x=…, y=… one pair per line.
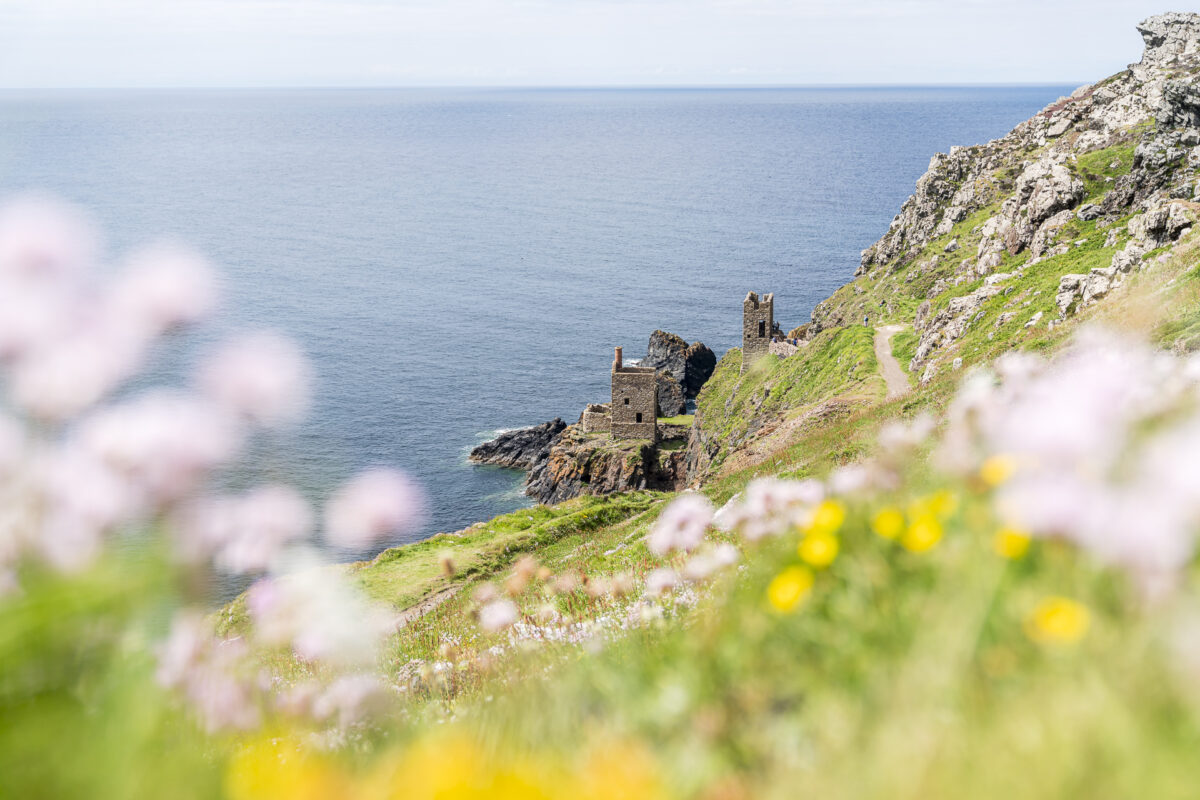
x=522, y=448
x=579, y=463
x=689, y=365
x=671, y=401
x=1128, y=146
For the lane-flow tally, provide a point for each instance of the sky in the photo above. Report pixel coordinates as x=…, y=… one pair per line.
x=245, y=43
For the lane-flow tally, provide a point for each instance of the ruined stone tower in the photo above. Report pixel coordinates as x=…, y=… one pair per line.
x=758, y=320
x=634, y=401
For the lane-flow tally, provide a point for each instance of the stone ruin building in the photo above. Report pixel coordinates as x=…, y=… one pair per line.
x=758, y=325
x=634, y=407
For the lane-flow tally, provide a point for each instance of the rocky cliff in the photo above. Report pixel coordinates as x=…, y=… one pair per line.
x=689, y=365
x=581, y=463
x=521, y=448
x=1009, y=237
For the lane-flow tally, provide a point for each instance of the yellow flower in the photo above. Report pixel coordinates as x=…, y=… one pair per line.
x=818, y=549
x=789, y=589
x=997, y=469
x=923, y=533
x=1011, y=542
x=1058, y=620
x=889, y=522
x=827, y=517
x=281, y=769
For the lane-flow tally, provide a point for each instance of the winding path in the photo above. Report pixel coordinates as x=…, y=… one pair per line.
x=889, y=367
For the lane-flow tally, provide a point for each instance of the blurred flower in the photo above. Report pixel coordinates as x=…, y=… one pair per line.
x=44, y=241
x=1058, y=620
x=818, y=549
x=1011, y=543
x=319, y=614
x=827, y=518
x=898, y=436
x=997, y=469
x=246, y=533
x=373, y=506
x=923, y=533
x=661, y=580
x=165, y=443
x=208, y=671
x=497, y=615
x=888, y=522
x=681, y=526
x=261, y=377
x=351, y=699
x=770, y=506
x=163, y=287
x=789, y=588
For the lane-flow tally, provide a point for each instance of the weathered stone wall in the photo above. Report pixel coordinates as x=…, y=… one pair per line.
x=634, y=397
x=781, y=349
x=596, y=418
x=758, y=321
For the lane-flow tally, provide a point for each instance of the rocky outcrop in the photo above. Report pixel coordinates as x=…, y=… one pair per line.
x=689, y=365
x=521, y=448
x=1125, y=147
x=580, y=463
x=671, y=402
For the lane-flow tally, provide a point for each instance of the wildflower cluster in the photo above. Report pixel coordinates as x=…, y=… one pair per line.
x=85, y=458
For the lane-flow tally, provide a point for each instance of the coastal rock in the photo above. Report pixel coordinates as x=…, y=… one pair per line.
x=581, y=463
x=671, y=402
x=522, y=448
x=689, y=365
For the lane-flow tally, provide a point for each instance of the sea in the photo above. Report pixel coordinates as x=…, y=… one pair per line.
x=457, y=262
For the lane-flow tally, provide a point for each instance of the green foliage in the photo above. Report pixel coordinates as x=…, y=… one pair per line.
x=904, y=346
x=682, y=419
x=733, y=405
x=80, y=712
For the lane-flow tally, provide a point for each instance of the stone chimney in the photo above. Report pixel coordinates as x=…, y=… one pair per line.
x=617, y=359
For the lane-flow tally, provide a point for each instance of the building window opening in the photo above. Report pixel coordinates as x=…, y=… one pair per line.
x=639, y=416
x=626, y=401
x=762, y=328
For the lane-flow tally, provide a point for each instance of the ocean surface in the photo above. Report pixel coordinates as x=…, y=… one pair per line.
x=461, y=261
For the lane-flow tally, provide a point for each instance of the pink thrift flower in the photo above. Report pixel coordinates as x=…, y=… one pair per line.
x=373, y=506
x=164, y=287
x=259, y=525
x=263, y=378
x=681, y=526
x=44, y=241
x=497, y=615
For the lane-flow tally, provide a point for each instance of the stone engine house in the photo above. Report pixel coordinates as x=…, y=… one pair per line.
x=758, y=322
x=634, y=409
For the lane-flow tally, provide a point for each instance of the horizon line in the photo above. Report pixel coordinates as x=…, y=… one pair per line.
x=551, y=86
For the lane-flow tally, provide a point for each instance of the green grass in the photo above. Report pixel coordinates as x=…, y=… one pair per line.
x=904, y=346
x=682, y=419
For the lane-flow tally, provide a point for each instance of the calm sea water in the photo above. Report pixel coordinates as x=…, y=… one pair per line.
x=458, y=261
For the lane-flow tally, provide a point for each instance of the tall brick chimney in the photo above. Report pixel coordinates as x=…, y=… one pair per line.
x=617, y=359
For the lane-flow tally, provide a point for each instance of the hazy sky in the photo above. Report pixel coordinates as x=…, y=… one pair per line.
x=555, y=42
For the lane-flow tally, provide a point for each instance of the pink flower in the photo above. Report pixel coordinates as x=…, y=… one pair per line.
x=44, y=241
x=165, y=443
x=246, y=533
x=69, y=374
x=497, y=615
x=164, y=287
x=319, y=614
x=661, y=580
x=681, y=526
x=373, y=506
x=263, y=378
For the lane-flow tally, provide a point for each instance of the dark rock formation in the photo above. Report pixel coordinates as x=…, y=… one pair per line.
x=671, y=402
x=689, y=365
x=580, y=463
x=520, y=449
x=700, y=362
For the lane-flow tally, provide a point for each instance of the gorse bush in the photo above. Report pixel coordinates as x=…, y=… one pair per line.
x=996, y=601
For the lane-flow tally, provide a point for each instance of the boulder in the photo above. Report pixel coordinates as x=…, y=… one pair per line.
x=521, y=448
x=690, y=365
x=671, y=402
